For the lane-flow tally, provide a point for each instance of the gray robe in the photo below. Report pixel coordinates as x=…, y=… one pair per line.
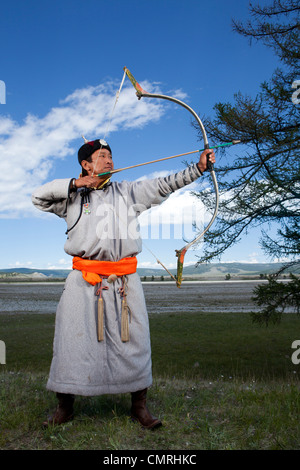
x=82, y=365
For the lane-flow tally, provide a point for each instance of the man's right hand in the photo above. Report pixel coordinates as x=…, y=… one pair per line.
x=88, y=182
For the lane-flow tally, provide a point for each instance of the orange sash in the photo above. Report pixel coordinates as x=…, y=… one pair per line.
x=92, y=269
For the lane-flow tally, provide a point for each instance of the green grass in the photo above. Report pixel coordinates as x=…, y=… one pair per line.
x=220, y=382
x=215, y=344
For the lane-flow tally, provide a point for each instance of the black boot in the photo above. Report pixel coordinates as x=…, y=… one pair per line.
x=140, y=412
x=64, y=411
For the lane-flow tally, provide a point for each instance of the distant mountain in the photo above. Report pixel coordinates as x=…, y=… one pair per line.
x=42, y=273
x=205, y=271
x=220, y=270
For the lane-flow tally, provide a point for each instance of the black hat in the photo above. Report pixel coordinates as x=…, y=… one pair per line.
x=87, y=149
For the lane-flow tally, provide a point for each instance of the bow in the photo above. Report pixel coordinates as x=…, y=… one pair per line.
x=181, y=253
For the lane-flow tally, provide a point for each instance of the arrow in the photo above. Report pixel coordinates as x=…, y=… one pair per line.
x=233, y=142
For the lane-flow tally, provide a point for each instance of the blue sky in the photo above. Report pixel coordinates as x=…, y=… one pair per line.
x=62, y=64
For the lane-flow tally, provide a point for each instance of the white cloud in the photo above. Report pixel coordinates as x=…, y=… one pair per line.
x=64, y=262
x=176, y=217
x=28, y=150
x=147, y=264
x=18, y=264
x=251, y=258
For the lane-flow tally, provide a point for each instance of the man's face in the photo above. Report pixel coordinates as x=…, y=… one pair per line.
x=101, y=162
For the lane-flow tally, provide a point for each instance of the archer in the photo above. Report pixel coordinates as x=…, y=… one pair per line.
x=102, y=338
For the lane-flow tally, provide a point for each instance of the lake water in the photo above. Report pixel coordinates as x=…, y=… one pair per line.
x=161, y=297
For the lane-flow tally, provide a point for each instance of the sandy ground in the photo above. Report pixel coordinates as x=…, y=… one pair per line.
x=204, y=296
x=223, y=296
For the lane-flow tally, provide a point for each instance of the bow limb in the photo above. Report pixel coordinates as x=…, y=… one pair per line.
x=141, y=93
x=181, y=253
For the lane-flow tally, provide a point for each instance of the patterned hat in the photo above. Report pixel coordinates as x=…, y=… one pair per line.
x=87, y=149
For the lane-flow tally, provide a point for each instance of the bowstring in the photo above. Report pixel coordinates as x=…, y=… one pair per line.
x=110, y=119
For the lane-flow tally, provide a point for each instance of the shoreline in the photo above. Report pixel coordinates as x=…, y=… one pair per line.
x=206, y=281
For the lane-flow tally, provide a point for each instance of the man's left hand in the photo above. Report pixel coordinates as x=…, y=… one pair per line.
x=202, y=164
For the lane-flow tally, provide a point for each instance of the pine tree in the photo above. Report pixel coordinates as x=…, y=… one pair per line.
x=261, y=187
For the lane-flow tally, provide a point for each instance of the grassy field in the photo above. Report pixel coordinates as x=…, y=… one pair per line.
x=220, y=382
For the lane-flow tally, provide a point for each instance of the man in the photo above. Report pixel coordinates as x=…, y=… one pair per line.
x=102, y=339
